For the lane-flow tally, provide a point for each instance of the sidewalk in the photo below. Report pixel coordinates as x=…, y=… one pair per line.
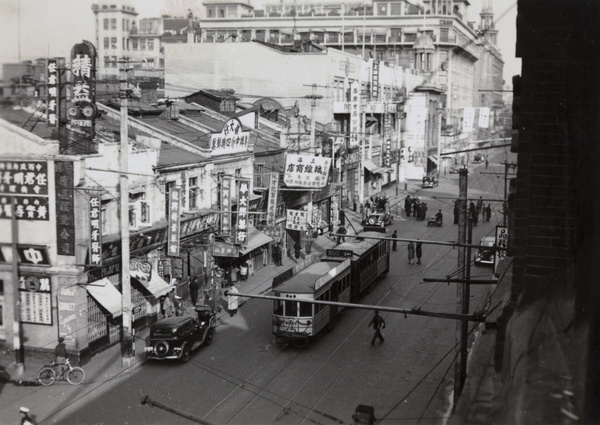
x=106, y=367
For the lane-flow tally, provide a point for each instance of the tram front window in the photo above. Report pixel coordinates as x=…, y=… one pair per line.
x=278, y=308
x=291, y=308
x=306, y=310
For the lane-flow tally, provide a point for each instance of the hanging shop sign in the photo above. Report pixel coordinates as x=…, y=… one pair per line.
x=241, y=231
x=484, y=117
x=222, y=249
x=355, y=114
x=65, y=207
x=52, y=100
x=32, y=254
x=231, y=139
x=273, y=231
x=272, y=202
x=35, y=299
x=296, y=220
x=82, y=107
x=140, y=269
x=375, y=81
x=501, y=245
x=95, y=232
x=174, y=222
x=468, y=119
x=306, y=171
x=226, y=206
x=24, y=178
x=67, y=313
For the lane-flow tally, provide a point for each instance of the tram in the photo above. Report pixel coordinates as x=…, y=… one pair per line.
x=344, y=275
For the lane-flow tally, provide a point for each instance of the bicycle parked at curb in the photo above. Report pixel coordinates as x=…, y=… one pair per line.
x=48, y=374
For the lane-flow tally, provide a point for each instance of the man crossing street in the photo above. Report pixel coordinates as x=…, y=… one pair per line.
x=378, y=324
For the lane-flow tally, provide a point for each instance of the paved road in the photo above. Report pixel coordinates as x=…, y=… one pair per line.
x=245, y=378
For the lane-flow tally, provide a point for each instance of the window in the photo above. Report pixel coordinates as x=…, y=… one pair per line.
x=113, y=24
x=306, y=309
x=113, y=43
x=193, y=192
x=142, y=44
x=124, y=44
x=113, y=61
x=134, y=44
x=106, y=61
x=150, y=44
x=106, y=43
x=106, y=24
x=124, y=25
x=221, y=13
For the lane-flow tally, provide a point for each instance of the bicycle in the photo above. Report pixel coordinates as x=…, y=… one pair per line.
x=47, y=375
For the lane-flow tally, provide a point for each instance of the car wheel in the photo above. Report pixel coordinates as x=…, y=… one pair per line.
x=371, y=221
x=161, y=348
x=186, y=353
x=209, y=337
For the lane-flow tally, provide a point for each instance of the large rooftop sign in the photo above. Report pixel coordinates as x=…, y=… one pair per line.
x=232, y=139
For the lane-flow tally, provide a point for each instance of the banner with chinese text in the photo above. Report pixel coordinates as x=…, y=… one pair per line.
x=226, y=206
x=296, y=220
x=241, y=231
x=355, y=113
x=306, y=171
x=95, y=231
x=174, y=222
x=272, y=202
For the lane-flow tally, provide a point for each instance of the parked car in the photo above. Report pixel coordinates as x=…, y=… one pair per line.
x=429, y=182
x=485, y=255
x=378, y=219
x=174, y=338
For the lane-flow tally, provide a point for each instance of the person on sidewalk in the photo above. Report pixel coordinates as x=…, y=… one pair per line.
x=169, y=304
x=60, y=355
x=244, y=271
x=394, y=242
x=488, y=213
x=479, y=207
x=378, y=324
x=232, y=300
x=194, y=289
x=419, y=251
x=25, y=418
x=341, y=231
x=408, y=205
x=411, y=253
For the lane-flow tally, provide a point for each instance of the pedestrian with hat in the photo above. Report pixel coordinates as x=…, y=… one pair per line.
x=25, y=418
x=378, y=324
x=60, y=355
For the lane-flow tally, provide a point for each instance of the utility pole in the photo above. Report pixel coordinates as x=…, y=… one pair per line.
x=462, y=289
x=127, y=337
x=507, y=165
x=16, y=298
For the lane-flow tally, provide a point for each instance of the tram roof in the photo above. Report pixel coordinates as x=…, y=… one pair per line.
x=359, y=246
x=304, y=281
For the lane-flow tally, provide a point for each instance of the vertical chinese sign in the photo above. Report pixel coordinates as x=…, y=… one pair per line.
x=82, y=109
x=241, y=231
x=387, y=157
x=174, y=222
x=501, y=245
x=226, y=206
x=65, y=207
x=375, y=78
x=468, y=119
x=52, y=101
x=95, y=232
x=272, y=202
x=354, y=114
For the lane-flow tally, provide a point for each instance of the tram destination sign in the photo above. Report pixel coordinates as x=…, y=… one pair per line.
x=339, y=253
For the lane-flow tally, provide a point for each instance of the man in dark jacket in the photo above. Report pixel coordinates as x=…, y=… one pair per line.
x=378, y=324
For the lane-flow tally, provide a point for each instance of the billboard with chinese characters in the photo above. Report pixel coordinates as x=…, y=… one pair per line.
x=174, y=222
x=468, y=119
x=52, y=101
x=484, y=117
x=355, y=114
x=82, y=106
x=231, y=139
x=306, y=171
x=272, y=202
x=226, y=206
x=65, y=207
x=296, y=220
x=95, y=232
x=35, y=299
x=501, y=245
x=241, y=231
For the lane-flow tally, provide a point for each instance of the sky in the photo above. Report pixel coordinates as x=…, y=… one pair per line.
x=50, y=28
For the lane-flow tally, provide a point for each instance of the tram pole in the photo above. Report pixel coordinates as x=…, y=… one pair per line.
x=462, y=289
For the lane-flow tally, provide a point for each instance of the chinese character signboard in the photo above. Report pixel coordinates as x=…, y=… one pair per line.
x=95, y=232
x=354, y=114
x=67, y=313
x=484, y=117
x=221, y=249
x=226, y=206
x=232, y=139
x=52, y=101
x=25, y=208
x=306, y=171
x=174, y=224
x=501, y=245
x=82, y=109
x=24, y=178
x=296, y=220
x=35, y=299
x=241, y=232
x=387, y=157
x=273, y=232
x=272, y=203
x=375, y=85
x=65, y=208
x=468, y=119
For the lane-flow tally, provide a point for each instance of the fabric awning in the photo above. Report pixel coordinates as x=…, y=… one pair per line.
x=433, y=159
x=157, y=286
x=107, y=295
x=375, y=169
x=256, y=238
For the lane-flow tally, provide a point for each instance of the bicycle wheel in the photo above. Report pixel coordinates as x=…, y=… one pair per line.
x=75, y=376
x=46, y=376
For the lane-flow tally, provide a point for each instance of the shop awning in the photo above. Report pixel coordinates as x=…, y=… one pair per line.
x=375, y=169
x=256, y=238
x=157, y=286
x=107, y=295
x=433, y=159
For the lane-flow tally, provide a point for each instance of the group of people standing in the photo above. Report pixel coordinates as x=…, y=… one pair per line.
x=376, y=203
x=415, y=250
x=474, y=211
x=414, y=206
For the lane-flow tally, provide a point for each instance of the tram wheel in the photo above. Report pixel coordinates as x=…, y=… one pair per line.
x=281, y=340
x=300, y=343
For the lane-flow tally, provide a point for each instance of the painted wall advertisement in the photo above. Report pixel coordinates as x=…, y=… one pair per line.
x=306, y=171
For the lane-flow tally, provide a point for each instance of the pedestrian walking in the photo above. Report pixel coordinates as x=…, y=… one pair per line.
x=341, y=232
x=423, y=211
x=479, y=207
x=169, y=305
x=25, y=418
x=232, y=300
x=195, y=289
x=408, y=205
x=378, y=324
x=415, y=207
x=60, y=355
x=474, y=216
x=394, y=242
x=411, y=253
x=419, y=251
x=486, y=162
x=488, y=213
